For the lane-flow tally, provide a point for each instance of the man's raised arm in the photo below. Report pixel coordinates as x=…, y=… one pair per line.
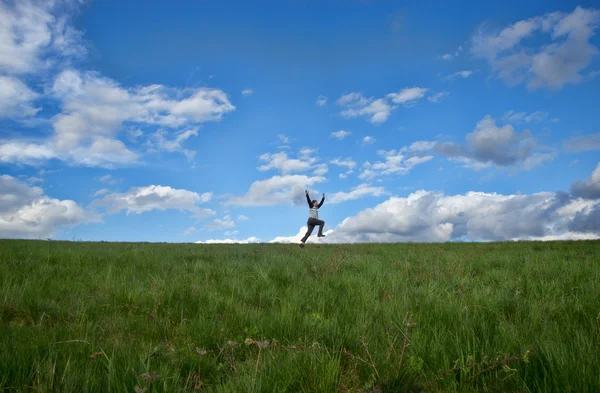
x=322, y=200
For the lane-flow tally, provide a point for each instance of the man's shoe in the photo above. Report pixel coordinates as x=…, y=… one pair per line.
x=320, y=235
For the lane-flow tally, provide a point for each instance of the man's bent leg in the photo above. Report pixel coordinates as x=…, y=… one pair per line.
x=311, y=226
x=321, y=224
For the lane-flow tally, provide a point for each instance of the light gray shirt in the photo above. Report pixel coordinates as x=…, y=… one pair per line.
x=314, y=213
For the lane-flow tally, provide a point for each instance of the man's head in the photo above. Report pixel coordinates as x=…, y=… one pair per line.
x=315, y=203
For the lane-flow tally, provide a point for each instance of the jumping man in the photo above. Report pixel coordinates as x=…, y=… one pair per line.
x=313, y=219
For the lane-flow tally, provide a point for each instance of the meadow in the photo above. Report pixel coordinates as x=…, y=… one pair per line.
x=137, y=317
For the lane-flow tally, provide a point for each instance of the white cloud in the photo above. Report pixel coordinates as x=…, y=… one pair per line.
x=251, y=239
x=100, y=192
x=378, y=110
x=426, y=216
x=241, y=217
x=160, y=143
x=583, y=143
x=460, y=74
x=108, y=179
x=300, y=235
x=284, y=164
x=37, y=37
x=368, y=140
x=564, y=236
x=25, y=212
x=202, y=213
x=24, y=152
x=588, y=188
x=419, y=146
x=189, y=230
x=395, y=162
x=346, y=162
x=34, y=180
x=320, y=169
x=490, y=145
x=278, y=190
x=33, y=38
x=218, y=224
x=524, y=117
x=346, y=174
x=354, y=99
x=408, y=96
x=98, y=105
x=450, y=56
x=247, y=92
x=341, y=134
x=16, y=99
x=438, y=96
x=101, y=152
x=551, y=65
x=283, y=139
x=321, y=101
x=154, y=197
x=95, y=109
x=357, y=192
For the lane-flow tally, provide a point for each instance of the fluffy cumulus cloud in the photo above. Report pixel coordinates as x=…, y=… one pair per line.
x=427, y=216
x=142, y=199
x=304, y=162
x=251, y=239
x=94, y=110
x=358, y=192
x=277, y=190
x=408, y=96
x=26, y=212
x=368, y=140
x=341, y=134
x=36, y=38
x=33, y=37
x=551, y=65
x=395, y=162
x=490, y=144
x=160, y=142
x=296, y=238
x=588, y=188
x=25, y=152
x=378, y=110
x=347, y=163
x=16, y=99
x=221, y=223
x=286, y=165
x=289, y=186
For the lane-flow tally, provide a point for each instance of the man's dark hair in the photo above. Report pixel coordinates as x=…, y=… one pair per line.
x=314, y=201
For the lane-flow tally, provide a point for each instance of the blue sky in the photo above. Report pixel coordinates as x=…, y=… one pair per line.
x=196, y=121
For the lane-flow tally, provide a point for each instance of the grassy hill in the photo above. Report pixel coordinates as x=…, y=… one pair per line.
x=104, y=317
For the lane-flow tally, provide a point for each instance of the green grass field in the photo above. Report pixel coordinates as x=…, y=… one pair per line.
x=496, y=317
